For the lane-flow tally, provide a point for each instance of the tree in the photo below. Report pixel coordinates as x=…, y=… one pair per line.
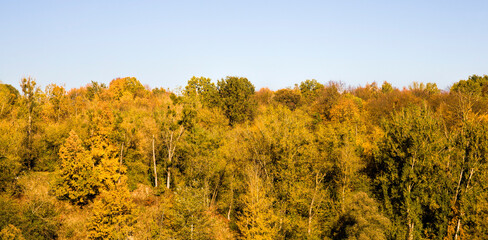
x=57, y=106
x=474, y=85
x=310, y=89
x=469, y=168
x=361, y=220
x=288, y=97
x=204, y=90
x=264, y=96
x=76, y=180
x=409, y=176
x=172, y=126
x=257, y=220
x=30, y=102
x=106, y=161
x=40, y=220
x=236, y=95
x=327, y=98
x=94, y=89
x=129, y=85
x=8, y=98
x=114, y=214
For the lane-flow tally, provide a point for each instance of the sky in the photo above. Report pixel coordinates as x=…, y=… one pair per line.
x=274, y=44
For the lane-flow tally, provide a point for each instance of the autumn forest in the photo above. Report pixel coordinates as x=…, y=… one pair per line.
x=223, y=160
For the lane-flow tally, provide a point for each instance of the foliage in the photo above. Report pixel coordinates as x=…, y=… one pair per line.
x=237, y=101
x=361, y=220
x=221, y=161
x=288, y=97
x=474, y=85
x=8, y=98
x=114, y=214
x=40, y=220
x=10, y=232
x=257, y=220
x=76, y=181
x=203, y=89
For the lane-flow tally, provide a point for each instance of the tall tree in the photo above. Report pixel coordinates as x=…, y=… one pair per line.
x=8, y=97
x=204, y=90
x=258, y=220
x=114, y=214
x=76, y=180
x=30, y=102
x=409, y=161
x=236, y=95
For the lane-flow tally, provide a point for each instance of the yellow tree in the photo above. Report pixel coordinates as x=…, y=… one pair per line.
x=76, y=180
x=107, y=165
x=257, y=220
x=114, y=214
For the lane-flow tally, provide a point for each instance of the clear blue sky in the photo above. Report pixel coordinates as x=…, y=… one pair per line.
x=272, y=43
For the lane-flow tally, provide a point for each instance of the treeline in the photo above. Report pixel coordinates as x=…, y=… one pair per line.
x=224, y=161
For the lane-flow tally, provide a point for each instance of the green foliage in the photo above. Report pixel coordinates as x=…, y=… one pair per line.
x=40, y=220
x=30, y=102
x=474, y=85
x=10, y=212
x=409, y=165
x=8, y=98
x=361, y=219
x=186, y=216
x=288, y=97
x=386, y=87
x=9, y=171
x=310, y=89
x=94, y=89
x=236, y=96
x=203, y=89
x=315, y=162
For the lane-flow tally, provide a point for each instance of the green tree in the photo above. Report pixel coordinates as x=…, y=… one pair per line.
x=288, y=97
x=236, y=94
x=361, y=220
x=386, y=87
x=310, y=89
x=30, y=102
x=409, y=176
x=40, y=220
x=8, y=98
x=474, y=85
x=204, y=90
x=468, y=182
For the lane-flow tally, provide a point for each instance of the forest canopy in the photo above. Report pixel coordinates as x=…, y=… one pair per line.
x=223, y=160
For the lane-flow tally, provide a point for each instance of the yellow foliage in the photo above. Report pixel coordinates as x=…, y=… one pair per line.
x=10, y=232
x=114, y=214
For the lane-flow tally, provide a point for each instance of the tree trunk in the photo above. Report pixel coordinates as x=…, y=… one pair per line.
x=411, y=226
x=154, y=164
x=29, y=140
x=169, y=177
x=457, y=229
x=120, y=162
